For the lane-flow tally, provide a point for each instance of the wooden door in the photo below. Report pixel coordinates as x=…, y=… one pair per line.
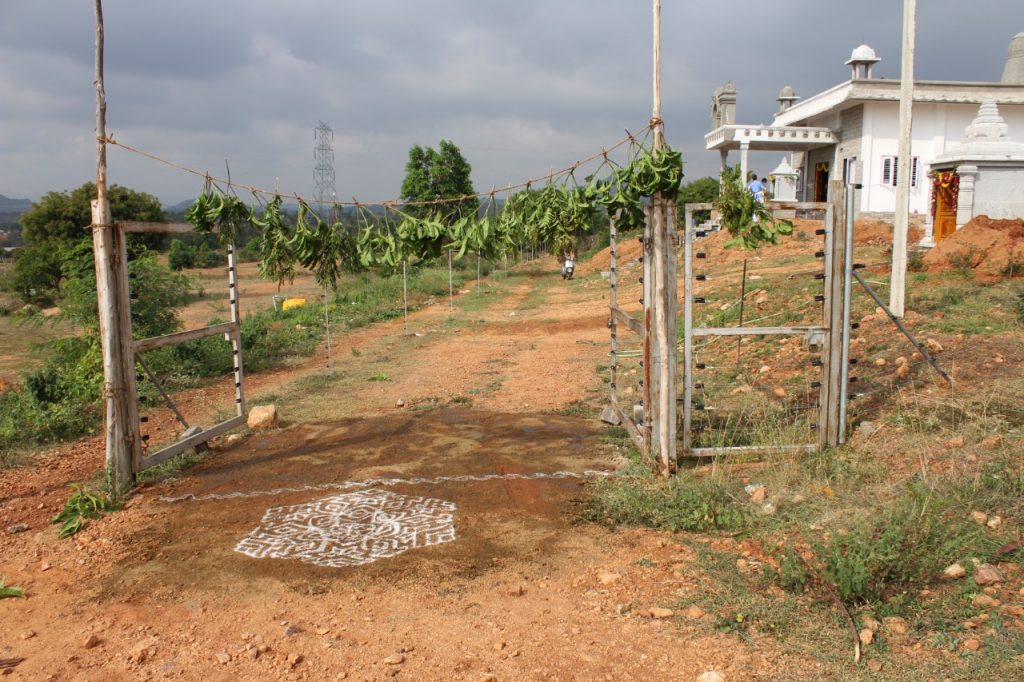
x=945, y=207
x=821, y=182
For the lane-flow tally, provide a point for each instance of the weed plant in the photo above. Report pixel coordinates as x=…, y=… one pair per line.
x=83, y=505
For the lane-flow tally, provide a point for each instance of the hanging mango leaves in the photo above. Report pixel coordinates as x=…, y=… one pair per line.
x=216, y=213
x=277, y=262
x=554, y=215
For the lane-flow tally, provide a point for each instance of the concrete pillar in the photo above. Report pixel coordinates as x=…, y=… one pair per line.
x=723, y=155
x=965, y=200
x=744, y=166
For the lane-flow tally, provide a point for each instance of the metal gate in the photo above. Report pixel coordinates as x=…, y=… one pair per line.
x=724, y=414
x=231, y=332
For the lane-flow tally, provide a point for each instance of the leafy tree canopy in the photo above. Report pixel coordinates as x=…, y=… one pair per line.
x=701, y=191
x=439, y=174
x=64, y=215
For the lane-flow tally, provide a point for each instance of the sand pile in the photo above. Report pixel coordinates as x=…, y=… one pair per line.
x=992, y=248
x=878, y=233
x=628, y=251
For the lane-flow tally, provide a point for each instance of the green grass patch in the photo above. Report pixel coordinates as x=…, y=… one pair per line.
x=685, y=502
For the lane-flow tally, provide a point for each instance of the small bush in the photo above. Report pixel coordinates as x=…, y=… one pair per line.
x=250, y=251
x=964, y=259
x=209, y=258
x=904, y=546
x=180, y=255
x=915, y=261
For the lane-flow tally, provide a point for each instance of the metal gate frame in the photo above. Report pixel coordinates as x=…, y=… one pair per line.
x=829, y=335
x=232, y=332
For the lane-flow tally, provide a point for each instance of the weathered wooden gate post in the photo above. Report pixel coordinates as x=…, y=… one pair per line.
x=661, y=406
x=109, y=252
x=835, y=275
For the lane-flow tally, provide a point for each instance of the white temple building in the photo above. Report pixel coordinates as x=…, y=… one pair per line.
x=851, y=131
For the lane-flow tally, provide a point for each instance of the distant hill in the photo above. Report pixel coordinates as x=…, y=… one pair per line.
x=8, y=205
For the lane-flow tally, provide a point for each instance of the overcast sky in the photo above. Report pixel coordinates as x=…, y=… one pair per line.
x=521, y=86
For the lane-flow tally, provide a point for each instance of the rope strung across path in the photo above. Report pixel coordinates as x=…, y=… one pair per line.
x=630, y=138
x=370, y=482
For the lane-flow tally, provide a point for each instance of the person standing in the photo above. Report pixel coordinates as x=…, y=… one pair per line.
x=756, y=188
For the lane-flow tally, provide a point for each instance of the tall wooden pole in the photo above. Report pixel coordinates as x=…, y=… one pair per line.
x=901, y=226
x=659, y=128
x=118, y=430
x=662, y=392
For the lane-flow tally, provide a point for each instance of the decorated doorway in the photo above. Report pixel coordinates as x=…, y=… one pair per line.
x=821, y=181
x=945, y=191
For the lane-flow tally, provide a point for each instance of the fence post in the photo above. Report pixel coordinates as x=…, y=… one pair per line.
x=831, y=354
x=109, y=253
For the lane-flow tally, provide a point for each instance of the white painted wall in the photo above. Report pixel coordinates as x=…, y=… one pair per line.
x=999, y=192
x=937, y=127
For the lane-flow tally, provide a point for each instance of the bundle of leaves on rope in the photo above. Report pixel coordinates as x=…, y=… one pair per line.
x=556, y=214
x=748, y=220
x=553, y=215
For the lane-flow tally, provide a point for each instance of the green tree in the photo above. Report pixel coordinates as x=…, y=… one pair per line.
x=701, y=191
x=58, y=223
x=37, y=271
x=67, y=215
x=431, y=175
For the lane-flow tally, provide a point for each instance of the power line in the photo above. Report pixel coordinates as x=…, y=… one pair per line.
x=631, y=138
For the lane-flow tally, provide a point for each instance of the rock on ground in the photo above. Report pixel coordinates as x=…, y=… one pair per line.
x=263, y=417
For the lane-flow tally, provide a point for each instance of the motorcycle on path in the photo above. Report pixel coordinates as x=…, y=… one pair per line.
x=568, y=266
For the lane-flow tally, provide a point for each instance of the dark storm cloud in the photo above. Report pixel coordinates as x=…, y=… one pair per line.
x=519, y=86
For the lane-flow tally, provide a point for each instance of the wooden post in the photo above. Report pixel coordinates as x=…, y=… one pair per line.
x=122, y=445
x=660, y=320
x=659, y=128
x=405, y=298
x=650, y=378
x=670, y=298
x=327, y=330
x=451, y=294
x=904, y=165
x=831, y=354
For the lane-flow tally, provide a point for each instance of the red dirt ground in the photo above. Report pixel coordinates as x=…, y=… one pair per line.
x=525, y=592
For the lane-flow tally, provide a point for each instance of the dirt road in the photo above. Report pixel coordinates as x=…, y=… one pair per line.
x=436, y=540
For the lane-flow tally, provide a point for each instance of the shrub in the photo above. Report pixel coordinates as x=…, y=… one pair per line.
x=904, y=546
x=208, y=258
x=964, y=259
x=915, y=261
x=180, y=255
x=249, y=252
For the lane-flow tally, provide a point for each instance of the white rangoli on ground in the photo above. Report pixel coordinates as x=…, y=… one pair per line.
x=351, y=529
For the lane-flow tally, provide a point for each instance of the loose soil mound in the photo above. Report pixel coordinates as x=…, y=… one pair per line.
x=879, y=233
x=627, y=251
x=991, y=248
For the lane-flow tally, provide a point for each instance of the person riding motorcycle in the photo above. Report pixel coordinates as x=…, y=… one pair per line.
x=568, y=265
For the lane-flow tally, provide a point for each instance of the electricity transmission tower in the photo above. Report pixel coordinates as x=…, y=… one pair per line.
x=323, y=172
x=324, y=196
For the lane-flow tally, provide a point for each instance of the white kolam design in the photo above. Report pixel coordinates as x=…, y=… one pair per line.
x=351, y=529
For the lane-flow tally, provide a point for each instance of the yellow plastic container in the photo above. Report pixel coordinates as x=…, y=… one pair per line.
x=290, y=303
